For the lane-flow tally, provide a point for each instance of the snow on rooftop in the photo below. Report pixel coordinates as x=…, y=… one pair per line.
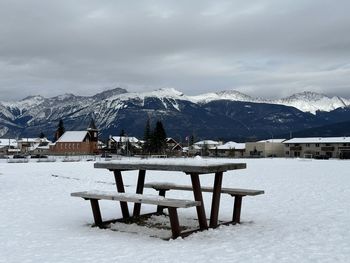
x=8, y=142
x=273, y=140
x=232, y=145
x=207, y=142
x=319, y=140
x=125, y=139
x=72, y=136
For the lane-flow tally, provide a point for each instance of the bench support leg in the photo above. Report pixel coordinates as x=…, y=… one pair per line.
x=139, y=190
x=216, y=200
x=174, y=222
x=159, y=207
x=237, y=209
x=120, y=187
x=198, y=197
x=96, y=212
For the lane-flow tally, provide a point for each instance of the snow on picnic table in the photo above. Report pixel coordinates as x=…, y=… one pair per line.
x=303, y=216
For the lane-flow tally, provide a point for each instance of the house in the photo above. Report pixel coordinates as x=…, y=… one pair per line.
x=192, y=150
x=77, y=142
x=229, y=149
x=124, y=144
x=205, y=145
x=173, y=147
x=8, y=146
x=33, y=145
x=265, y=148
x=318, y=147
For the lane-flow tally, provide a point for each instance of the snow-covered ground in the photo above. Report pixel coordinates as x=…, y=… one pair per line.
x=304, y=215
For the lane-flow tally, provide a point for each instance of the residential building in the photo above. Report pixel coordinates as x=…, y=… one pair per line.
x=33, y=145
x=205, y=145
x=228, y=149
x=124, y=145
x=265, y=148
x=173, y=147
x=8, y=146
x=318, y=147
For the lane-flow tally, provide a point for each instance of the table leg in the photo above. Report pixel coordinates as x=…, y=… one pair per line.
x=174, y=222
x=96, y=212
x=120, y=188
x=198, y=197
x=139, y=190
x=236, y=218
x=216, y=200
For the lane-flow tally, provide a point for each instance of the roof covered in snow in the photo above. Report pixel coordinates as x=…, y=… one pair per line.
x=207, y=142
x=72, y=136
x=125, y=139
x=319, y=140
x=232, y=145
x=273, y=140
x=8, y=142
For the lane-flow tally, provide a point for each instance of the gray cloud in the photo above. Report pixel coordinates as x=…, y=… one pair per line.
x=264, y=48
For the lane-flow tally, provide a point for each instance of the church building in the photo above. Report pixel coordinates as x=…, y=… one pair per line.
x=77, y=142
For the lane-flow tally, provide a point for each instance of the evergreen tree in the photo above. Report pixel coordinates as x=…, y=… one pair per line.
x=159, y=138
x=41, y=135
x=60, y=130
x=147, y=137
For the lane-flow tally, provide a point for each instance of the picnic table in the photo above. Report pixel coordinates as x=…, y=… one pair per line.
x=192, y=167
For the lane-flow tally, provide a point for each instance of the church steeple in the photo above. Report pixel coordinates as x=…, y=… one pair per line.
x=93, y=131
x=92, y=125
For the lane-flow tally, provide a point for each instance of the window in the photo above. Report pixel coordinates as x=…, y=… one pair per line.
x=317, y=153
x=317, y=145
x=287, y=152
x=307, y=145
x=328, y=144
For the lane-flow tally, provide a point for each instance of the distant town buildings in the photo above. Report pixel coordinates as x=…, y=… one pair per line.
x=86, y=142
x=326, y=147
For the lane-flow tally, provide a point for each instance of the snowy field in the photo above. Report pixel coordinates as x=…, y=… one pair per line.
x=304, y=215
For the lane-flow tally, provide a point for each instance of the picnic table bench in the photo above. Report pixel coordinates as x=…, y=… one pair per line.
x=171, y=204
x=238, y=194
x=189, y=166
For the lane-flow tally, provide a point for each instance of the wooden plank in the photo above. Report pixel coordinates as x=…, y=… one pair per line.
x=136, y=198
x=186, y=166
x=231, y=191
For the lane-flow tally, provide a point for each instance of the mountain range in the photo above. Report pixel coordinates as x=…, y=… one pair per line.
x=226, y=114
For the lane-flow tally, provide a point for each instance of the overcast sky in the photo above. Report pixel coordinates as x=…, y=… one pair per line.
x=267, y=48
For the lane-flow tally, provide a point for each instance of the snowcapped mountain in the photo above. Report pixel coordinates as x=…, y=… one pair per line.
x=311, y=102
x=210, y=115
x=305, y=101
x=232, y=95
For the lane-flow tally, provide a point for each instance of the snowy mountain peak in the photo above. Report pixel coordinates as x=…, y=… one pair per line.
x=33, y=98
x=65, y=96
x=312, y=102
x=306, y=96
x=167, y=93
x=109, y=93
x=232, y=95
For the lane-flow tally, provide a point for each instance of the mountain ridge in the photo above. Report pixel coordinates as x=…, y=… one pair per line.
x=214, y=115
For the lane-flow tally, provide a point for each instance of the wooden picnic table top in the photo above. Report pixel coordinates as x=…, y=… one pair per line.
x=187, y=165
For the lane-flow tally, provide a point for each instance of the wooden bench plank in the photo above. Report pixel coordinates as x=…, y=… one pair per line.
x=136, y=198
x=231, y=191
x=238, y=194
